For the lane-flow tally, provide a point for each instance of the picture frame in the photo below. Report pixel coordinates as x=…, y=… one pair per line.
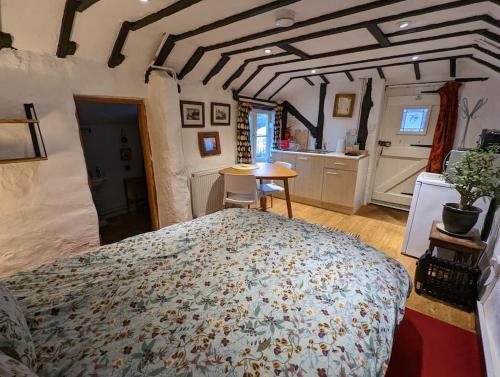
x=220, y=114
x=344, y=105
x=192, y=114
x=209, y=144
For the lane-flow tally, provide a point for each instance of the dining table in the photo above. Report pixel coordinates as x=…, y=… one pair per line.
x=267, y=171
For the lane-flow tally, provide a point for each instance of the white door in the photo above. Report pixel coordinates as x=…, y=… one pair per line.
x=405, y=137
x=262, y=132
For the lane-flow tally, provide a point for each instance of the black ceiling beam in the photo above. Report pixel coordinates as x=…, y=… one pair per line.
x=309, y=81
x=487, y=52
x=5, y=40
x=325, y=80
x=416, y=68
x=453, y=67
x=356, y=26
x=349, y=76
x=378, y=35
x=195, y=58
x=386, y=65
x=169, y=43
x=376, y=46
x=66, y=46
x=279, y=89
x=485, y=63
x=85, y=4
x=375, y=60
x=294, y=51
x=250, y=78
x=117, y=57
x=381, y=73
x=321, y=116
x=216, y=68
x=266, y=85
x=302, y=119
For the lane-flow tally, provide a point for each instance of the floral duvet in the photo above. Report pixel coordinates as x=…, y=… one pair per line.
x=235, y=293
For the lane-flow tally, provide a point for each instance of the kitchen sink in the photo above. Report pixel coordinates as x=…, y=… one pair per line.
x=318, y=151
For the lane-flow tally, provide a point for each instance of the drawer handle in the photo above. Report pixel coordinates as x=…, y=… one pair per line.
x=330, y=173
x=302, y=158
x=338, y=163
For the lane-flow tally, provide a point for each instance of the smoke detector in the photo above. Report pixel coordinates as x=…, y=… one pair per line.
x=285, y=18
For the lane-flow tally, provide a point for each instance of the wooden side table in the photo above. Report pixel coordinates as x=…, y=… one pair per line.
x=467, y=250
x=453, y=281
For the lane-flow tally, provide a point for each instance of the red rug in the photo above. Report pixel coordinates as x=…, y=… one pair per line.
x=427, y=347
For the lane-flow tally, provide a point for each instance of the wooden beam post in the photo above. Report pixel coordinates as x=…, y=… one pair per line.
x=302, y=119
x=321, y=116
x=366, y=106
x=453, y=67
x=375, y=31
x=5, y=40
x=416, y=68
x=309, y=81
x=65, y=46
x=349, y=76
x=325, y=80
x=381, y=73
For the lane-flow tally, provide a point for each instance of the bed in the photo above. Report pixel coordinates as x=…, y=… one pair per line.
x=236, y=293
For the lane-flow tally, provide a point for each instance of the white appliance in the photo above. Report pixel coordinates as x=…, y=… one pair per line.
x=430, y=193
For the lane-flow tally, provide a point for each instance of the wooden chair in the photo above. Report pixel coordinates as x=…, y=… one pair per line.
x=240, y=190
x=268, y=189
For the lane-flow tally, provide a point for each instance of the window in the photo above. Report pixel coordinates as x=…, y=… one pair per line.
x=414, y=120
x=261, y=125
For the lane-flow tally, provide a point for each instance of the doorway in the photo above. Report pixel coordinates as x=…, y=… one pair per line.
x=405, y=140
x=117, y=154
x=262, y=133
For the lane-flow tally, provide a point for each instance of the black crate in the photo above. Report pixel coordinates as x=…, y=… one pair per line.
x=447, y=280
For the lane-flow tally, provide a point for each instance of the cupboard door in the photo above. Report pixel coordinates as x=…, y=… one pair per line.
x=309, y=181
x=339, y=187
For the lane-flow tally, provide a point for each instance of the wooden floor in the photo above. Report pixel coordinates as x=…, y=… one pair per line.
x=383, y=229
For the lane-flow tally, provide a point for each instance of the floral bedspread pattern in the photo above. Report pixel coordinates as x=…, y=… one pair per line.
x=235, y=293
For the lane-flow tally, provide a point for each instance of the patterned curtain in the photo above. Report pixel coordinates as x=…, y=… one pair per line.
x=243, y=145
x=277, y=125
x=444, y=135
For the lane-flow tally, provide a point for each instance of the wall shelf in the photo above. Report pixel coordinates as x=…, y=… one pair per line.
x=21, y=139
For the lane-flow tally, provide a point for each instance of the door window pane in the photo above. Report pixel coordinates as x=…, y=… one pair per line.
x=414, y=120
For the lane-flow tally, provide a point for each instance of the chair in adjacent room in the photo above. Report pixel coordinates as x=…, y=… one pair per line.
x=240, y=190
x=270, y=188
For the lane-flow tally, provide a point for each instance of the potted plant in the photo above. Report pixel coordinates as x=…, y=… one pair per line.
x=474, y=177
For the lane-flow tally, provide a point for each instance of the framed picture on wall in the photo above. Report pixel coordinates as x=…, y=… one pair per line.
x=220, y=114
x=192, y=114
x=209, y=143
x=344, y=105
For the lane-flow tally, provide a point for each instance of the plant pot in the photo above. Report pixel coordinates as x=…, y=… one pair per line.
x=457, y=220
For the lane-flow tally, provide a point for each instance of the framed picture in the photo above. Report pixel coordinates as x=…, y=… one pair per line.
x=209, y=143
x=220, y=114
x=192, y=114
x=344, y=105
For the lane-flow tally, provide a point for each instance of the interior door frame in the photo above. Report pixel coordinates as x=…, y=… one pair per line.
x=145, y=143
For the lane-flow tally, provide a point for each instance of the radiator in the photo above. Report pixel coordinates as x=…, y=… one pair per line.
x=207, y=191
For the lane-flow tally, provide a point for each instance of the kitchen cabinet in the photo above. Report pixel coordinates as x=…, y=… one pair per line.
x=332, y=181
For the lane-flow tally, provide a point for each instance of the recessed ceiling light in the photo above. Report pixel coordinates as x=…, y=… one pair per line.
x=404, y=24
x=414, y=57
x=143, y=1
x=313, y=71
x=268, y=50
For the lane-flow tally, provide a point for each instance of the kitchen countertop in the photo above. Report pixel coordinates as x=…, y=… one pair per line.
x=332, y=154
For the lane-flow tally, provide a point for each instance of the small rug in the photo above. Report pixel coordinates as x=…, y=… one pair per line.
x=427, y=347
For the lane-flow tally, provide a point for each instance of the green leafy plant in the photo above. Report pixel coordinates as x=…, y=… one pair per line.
x=475, y=175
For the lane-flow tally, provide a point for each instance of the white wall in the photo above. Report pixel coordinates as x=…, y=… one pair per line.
x=195, y=91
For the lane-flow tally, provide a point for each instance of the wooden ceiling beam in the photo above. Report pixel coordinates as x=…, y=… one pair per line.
x=279, y=89
x=169, y=44
x=325, y=80
x=116, y=57
x=486, y=64
x=349, y=76
x=381, y=73
x=216, y=69
x=266, y=85
x=294, y=51
x=343, y=29
x=453, y=67
x=5, y=40
x=308, y=81
x=416, y=69
x=372, y=60
x=376, y=47
x=378, y=35
x=85, y=4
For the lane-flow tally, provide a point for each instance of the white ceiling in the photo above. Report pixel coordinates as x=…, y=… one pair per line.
x=35, y=26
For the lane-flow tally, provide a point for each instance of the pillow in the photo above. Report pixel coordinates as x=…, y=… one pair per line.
x=10, y=367
x=15, y=336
